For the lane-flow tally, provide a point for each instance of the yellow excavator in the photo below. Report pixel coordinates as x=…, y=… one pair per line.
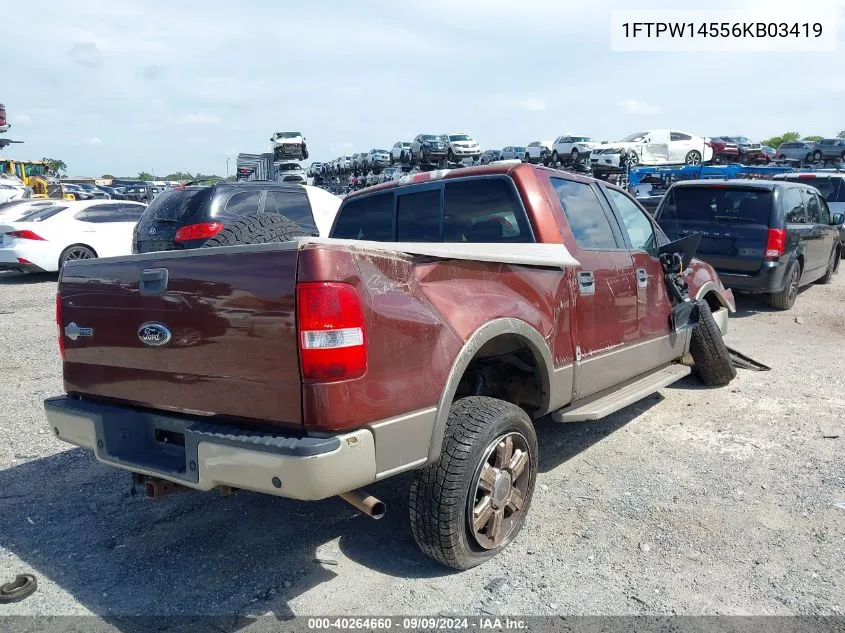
x=36, y=174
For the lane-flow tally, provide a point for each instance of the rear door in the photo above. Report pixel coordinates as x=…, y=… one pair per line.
x=605, y=320
x=733, y=220
x=819, y=244
x=105, y=229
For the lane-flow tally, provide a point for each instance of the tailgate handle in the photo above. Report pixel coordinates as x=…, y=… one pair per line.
x=153, y=281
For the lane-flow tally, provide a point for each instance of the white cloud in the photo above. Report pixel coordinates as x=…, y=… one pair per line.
x=94, y=140
x=201, y=119
x=638, y=106
x=534, y=105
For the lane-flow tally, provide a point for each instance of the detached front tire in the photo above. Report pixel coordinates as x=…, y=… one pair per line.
x=712, y=362
x=471, y=503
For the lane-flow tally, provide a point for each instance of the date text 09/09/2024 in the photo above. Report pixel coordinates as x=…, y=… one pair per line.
x=723, y=29
x=417, y=623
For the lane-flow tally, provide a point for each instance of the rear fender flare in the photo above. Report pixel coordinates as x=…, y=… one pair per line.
x=487, y=332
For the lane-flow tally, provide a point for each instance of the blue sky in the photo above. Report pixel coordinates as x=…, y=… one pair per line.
x=123, y=86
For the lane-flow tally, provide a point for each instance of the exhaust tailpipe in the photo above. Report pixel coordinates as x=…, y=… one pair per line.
x=365, y=502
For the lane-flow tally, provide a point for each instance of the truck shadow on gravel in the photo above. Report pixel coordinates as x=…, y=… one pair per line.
x=13, y=278
x=74, y=523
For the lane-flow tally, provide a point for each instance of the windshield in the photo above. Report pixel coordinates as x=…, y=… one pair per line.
x=634, y=138
x=459, y=137
x=287, y=134
x=380, y=151
x=428, y=137
x=289, y=167
x=741, y=139
x=581, y=139
x=734, y=205
x=832, y=189
x=177, y=205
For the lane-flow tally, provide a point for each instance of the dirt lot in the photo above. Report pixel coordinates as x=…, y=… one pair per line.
x=694, y=501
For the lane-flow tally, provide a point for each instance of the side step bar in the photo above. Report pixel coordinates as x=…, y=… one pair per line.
x=604, y=403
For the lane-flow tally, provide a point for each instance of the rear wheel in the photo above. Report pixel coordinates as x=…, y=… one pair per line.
x=817, y=156
x=693, y=158
x=471, y=503
x=785, y=299
x=713, y=364
x=555, y=157
x=76, y=252
x=574, y=156
x=263, y=228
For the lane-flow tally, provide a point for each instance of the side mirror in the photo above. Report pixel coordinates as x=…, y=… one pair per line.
x=838, y=218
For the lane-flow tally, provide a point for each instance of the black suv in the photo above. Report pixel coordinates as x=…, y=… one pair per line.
x=186, y=217
x=761, y=236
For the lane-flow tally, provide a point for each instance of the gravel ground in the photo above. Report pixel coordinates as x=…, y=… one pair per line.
x=694, y=501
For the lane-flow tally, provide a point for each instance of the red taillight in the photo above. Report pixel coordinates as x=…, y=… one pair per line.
x=332, y=336
x=201, y=231
x=59, y=325
x=775, y=243
x=26, y=235
x=21, y=260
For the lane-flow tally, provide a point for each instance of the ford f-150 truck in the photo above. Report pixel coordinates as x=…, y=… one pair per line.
x=445, y=313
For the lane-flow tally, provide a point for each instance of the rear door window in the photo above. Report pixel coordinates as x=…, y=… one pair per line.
x=832, y=189
x=132, y=212
x=484, y=210
x=793, y=206
x=368, y=218
x=418, y=216
x=587, y=220
x=813, y=209
x=101, y=214
x=292, y=204
x=736, y=205
x=243, y=203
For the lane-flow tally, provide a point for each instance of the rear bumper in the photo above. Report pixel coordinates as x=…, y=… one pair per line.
x=204, y=455
x=770, y=278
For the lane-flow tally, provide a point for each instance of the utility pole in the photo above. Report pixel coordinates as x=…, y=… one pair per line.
x=227, y=167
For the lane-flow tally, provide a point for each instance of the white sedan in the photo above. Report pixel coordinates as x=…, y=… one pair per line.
x=656, y=147
x=47, y=237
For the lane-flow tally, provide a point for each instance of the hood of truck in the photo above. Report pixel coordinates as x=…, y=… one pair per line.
x=217, y=339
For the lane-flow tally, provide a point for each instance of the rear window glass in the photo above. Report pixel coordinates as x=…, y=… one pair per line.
x=42, y=214
x=717, y=204
x=484, y=210
x=368, y=218
x=291, y=204
x=177, y=205
x=832, y=189
x=418, y=216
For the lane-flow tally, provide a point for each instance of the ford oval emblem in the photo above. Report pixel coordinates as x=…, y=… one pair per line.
x=154, y=334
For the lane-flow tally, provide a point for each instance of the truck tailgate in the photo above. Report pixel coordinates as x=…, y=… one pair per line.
x=230, y=316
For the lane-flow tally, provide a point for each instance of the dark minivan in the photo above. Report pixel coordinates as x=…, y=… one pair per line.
x=188, y=216
x=761, y=236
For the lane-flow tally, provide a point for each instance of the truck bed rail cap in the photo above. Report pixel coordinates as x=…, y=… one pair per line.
x=547, y=255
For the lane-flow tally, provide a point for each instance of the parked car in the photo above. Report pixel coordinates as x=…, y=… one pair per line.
x=573, y=149
x=12, y=188
x=356, y=161
x=13, y=209
x=289, y=171
x=4, y=124
x=378, y=159
x=372, y=179
x=76, y=191
x=461, y=146
x=113, y=192
x=186, y=218
x=770, y=152
x=761, y=236
x=399, y=152
x=538, y=152
x=799, y=151
x=831, y=185
x=389, y=174
x=657, y=147
x=488, y=156
x=725, y=149
x=427, y=148
x=510, y=152
x=750, y=152
x=289, y=146
x=95, y=192
x=139, y=193
x=45, y=238
x=832, y=149
x=315, y=169
x=321, y=404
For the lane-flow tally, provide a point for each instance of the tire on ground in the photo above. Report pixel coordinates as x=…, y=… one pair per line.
x=263, y=228
x=786, y=298
x=440, y=493
x=713, y=364
x=832, y=267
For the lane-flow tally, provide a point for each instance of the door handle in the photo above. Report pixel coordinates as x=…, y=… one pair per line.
x=642, y=277
x=586, y=282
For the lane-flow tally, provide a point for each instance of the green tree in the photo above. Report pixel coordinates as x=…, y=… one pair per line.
x=57, y=166
x=841, y=134
x=787, y=137
x=145, y=176
x=107, y=177
x=812, y=138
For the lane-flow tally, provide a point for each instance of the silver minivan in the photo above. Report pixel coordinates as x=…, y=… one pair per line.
x=801, y=151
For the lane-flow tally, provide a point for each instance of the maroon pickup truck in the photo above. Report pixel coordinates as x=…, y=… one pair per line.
x=446, y=312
